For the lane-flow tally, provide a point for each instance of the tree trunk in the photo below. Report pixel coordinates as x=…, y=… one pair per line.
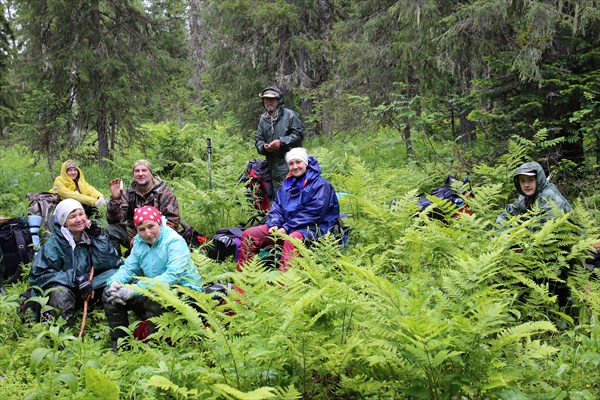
x=113, y=135
x=597, y=148
x=103, y=152
x=407, y=139
x=411, y=92
x=101, y=117
x=50, y=155
x=196, y=51
x=467, y=128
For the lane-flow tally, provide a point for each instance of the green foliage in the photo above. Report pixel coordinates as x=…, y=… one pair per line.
x=100, y=385
x=413, y=308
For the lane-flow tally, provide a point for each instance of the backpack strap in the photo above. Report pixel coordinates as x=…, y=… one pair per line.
x=237, y=232
x=44, y=209
x=256, y=219
x=23, y=254
x=22, y=245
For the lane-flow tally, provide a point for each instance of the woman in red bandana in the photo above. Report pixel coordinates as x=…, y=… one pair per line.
x=159, y=253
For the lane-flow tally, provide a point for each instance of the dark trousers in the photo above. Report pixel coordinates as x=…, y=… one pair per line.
x=117, y=314
x=67, y=301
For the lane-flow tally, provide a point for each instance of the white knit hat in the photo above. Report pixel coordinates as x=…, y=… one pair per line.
x=64, y=208
x=297, y=153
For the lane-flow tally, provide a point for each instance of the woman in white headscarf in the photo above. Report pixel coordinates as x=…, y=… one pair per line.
x=64, y=262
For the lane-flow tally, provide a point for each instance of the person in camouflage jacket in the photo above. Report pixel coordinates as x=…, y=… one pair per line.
x=532, y=185
x=147, y=189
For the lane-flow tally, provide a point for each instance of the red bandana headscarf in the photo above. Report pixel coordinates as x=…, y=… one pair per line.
x=146, y=213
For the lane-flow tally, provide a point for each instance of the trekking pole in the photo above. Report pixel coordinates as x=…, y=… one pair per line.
x=209, y=149
x=85, y=306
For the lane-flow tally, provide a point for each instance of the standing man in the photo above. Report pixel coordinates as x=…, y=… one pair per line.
x=147, y=189
x=279, y=130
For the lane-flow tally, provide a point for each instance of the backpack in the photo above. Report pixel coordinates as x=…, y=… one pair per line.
x=224, y=244
x=192, y=237
x=43, y=204
x=451, y=195
x=17, y=248
x=259, y=183
x=341, y=231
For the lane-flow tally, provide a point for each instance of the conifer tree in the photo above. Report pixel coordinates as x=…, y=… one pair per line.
x=7, y=100
x=104, y=58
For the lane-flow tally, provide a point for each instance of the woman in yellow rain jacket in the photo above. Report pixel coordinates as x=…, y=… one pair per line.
x=71, y=184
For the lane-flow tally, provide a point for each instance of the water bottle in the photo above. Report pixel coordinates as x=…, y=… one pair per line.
x=34, y=222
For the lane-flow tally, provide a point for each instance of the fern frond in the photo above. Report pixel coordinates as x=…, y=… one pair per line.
x=258, y=394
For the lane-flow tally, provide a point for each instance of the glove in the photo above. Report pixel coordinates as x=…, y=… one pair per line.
x=93, y=230
x=111, y=292
x=85, y=286
x=100, y=202
x=120, y=295
x=126, y=293
x=114, y=286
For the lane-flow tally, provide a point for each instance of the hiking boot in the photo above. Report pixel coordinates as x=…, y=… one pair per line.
x=115, y=346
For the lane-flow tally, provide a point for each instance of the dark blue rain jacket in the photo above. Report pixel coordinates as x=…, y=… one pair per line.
x=307, y=204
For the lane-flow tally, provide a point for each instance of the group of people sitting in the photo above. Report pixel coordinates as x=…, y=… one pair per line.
x=81, y=262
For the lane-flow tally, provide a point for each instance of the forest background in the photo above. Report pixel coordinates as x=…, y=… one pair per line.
x=394, y=95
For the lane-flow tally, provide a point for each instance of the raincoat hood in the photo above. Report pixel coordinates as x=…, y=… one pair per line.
x=78, y=189
x=313, y=170
x=65, y=166
x=540, y=177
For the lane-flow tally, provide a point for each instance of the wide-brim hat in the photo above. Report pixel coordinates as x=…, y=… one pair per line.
x=269, y=94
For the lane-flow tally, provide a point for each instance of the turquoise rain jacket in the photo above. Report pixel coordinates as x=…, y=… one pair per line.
x=167, y=260
x=307, y=205
x=545, y=195
x=56, y=263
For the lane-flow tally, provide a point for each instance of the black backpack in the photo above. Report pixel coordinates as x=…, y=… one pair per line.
x=17, y=248
x=224, y=244
x=193, y=238
x=258, y=181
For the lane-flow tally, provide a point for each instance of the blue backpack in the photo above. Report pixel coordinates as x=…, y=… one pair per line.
x=450, y=194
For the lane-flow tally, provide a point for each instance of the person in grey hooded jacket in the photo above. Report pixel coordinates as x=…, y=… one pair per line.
x=532, y=185
x=279, y=130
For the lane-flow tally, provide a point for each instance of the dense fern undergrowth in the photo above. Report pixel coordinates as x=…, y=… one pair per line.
x=413, y=308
